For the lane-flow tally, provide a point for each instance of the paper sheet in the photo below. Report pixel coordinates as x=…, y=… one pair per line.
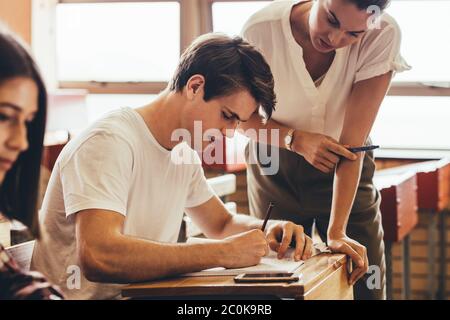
x=269, y=263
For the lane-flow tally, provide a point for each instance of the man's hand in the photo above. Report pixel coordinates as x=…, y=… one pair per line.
x=280, y=234
x=244, y=249
x=356, y=251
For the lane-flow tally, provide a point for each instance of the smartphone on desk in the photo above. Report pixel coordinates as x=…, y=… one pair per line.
x=266, y=277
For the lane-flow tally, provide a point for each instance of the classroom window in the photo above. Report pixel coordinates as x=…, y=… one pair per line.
x=230, y=17
x=413, y=123
x=136, y=48
x=425, y=38
x=131, y=42
x=424, y=24
x=98, y=105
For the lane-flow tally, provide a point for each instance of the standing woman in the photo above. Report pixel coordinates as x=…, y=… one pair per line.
x=23, y=103
x=332, y=61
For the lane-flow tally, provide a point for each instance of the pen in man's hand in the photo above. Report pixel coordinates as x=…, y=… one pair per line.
x=269, y=210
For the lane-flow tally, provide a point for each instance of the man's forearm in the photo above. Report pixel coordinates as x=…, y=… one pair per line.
x=345, y=186
x=127, y=259
x=240, y=223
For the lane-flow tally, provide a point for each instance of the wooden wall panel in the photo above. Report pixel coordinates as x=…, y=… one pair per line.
x=16, y=14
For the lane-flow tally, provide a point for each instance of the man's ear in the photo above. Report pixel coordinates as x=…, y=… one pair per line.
x=195, y=86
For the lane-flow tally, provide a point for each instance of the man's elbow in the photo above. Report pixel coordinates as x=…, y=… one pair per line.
x=97, y=267
x=221, y=231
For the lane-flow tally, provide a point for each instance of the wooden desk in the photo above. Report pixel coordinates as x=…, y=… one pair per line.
x=399, y=214
x=433, y=198
x=323, y=277
x=398, y=203
x=433, y=183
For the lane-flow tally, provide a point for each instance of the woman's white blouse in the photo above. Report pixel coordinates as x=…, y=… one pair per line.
x=301, y=104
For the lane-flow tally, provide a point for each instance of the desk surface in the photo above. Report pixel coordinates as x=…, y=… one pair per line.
x=433, y=187
x=325, y=271
x=384, y=180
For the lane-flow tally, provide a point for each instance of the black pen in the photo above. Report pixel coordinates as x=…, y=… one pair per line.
x=361, y=149
x=269, y=210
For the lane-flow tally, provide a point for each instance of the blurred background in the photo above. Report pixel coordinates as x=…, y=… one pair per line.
x=124, y=52
x=98, y=56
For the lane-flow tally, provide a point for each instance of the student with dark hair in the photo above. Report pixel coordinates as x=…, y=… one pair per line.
x=116, y=197
x=23, y=103
x=332, y=62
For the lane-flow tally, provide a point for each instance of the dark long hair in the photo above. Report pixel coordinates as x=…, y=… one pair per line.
x=20, y=188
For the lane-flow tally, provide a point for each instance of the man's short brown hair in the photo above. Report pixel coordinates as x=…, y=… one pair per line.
x=228, y=64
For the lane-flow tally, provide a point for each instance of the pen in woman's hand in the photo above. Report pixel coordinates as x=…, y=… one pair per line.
x=362, y=149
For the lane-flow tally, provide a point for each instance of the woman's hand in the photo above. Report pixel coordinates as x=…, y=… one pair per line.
x=356, y=251
x=321, y=151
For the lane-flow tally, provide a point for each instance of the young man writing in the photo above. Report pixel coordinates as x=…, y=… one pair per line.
x=116, y=197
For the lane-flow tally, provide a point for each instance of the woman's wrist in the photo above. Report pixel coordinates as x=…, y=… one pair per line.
x=297, y=141
x=336, y=233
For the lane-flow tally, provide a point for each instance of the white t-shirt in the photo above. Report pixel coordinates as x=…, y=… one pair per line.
x=117, y=165
x=301, y=104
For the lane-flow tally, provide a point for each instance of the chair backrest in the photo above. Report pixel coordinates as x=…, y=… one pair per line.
x=22, y=254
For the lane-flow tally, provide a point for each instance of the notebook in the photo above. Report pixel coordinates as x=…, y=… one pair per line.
x=269, y=263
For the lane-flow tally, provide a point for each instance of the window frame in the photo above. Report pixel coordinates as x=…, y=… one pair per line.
x=190, y=10
x=199, y=14
x=398, y=88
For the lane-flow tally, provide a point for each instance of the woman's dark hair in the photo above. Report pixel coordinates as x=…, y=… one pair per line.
x=20, y=188
x=364, y=4
x=228, y=64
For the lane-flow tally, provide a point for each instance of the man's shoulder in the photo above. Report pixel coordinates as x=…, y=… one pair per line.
x=114, y=130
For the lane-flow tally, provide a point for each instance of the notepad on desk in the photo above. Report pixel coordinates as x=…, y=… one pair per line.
x=269, y=263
